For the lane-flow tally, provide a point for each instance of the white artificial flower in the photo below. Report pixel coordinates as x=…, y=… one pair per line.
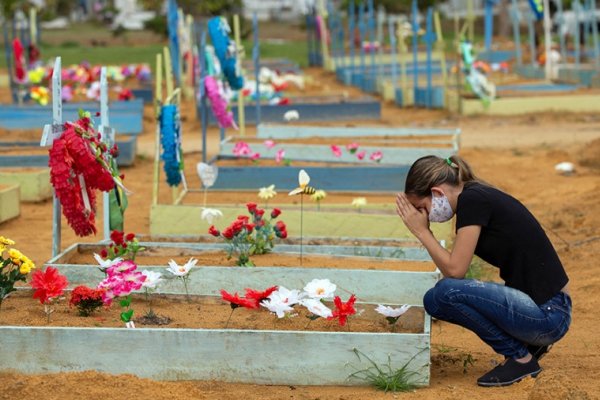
x=320, y=289
x=278, y=307
x=286, y=296
x=181, y=271
x=359, y=202
x=210, y=214
x=291, y=115
x=153, y=278
x=267, y=193
x=316, y=307
x=391, y=312
x=106, y=264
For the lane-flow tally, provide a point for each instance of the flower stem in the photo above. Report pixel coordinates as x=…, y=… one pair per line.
x=185, y=285
x=229, y=319
x=301, y=223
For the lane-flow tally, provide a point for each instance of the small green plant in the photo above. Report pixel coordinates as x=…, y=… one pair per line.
x=468, y=360
x=386, y=377
x=365, y=251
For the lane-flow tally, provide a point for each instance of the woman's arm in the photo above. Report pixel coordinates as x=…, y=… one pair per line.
x=452, y=264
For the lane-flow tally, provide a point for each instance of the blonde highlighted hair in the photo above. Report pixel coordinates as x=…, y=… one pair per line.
x=430, y=171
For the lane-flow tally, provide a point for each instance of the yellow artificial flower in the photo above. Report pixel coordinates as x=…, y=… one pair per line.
x=6, y=241
x=25, y=268
x=15, y=256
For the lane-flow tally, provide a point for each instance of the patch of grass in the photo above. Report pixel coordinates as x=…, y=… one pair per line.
x=366, y=251
x=385, y=377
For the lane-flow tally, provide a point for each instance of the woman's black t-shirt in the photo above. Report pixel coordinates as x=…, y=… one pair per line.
x=512, y=240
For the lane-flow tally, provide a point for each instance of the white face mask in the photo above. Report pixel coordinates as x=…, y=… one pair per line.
x=440, y=209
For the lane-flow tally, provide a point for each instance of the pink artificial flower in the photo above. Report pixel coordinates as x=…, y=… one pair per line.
x=66, y=93
x=352, y=147
x=218, y=103
x=120, y=268
x=361, y=154
x=337, y=152
x=255, y=156
x=376, y=156
x=269, y=144
x=241, y=149
x=279, y=155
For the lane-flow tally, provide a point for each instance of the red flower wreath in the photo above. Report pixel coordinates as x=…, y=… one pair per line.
x=79, y=152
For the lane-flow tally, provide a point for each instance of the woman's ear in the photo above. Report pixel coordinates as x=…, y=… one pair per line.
x=437, y=191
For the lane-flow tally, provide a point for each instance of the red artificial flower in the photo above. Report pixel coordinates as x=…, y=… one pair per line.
x=237, y=226
x=228, y=233
x=282, y=234
x=343, y=310
x=236, y=301
x=129, y=237
x=84, y=293
x=244, y=218
x=280, y=226
x=103, y=253
x=259, y=296
x=214, y=231
x=48, y=284
x=117, y=237
x=249, y=228
x=251, y=207
x=259, y=213
x=275, y=213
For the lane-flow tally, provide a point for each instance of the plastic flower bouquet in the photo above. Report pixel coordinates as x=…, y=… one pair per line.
x=245, y=238
x=14, y=268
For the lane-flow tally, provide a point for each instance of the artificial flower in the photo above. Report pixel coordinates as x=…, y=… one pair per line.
x=337, y=152
x=286, y=296
x=376, y=156
x=318, y=195
x=181, y=270
x=267, y=193
x=210, y=214
x=255, y=156
x=251, y=207
x=86, y=299
x=121, y=267
x=279, y=156
x=275, y=213
x=236, y=301
x=390, y=312
x=320, y=289
x=269, y=144
x=359, y=202
x=316, y=307
x=153, y=278
x=278, y=307
x=218, y=103
x=259, y=296
x=214, y=231
x=241, y=149
x=5, y=242
x=106, y=264
x=352, y=147
x=291, y=115
x=343, y=310
x=48, y=284
x=40, y=94
x=361, y=154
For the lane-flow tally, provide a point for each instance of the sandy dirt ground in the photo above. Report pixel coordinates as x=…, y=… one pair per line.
x=517, y=154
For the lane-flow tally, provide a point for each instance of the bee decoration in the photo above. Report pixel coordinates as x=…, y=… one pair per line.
x=303, y=188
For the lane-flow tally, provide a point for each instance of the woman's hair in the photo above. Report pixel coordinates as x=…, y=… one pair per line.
x=430, y=171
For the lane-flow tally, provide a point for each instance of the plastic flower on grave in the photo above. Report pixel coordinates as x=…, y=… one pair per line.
x=236, y=301
x=392, y=314
x=241, y=149
x=275, y=213
x=376, y=156
x=359, y=202
x=40, y=94
x=86, y=299
x=66, y=93
x=280, y=156
x=182, y=272
x=343, y=310
x=280, y=230
x=280, y=308
x=121, y=267
x=320, y=289
x=317, y=196
x=291, y=115
x=210, y=214
x=36, y=75
x=93, y=92
x=337, y=152
x=286, y=296
x=316, y=307
x=214, y=231
x=48, y=285
x=153, y=279
x=106, y=264
x=267, y=193
x=255, y=156
x=352, y=147
x=269, y=144
x=123, y=246
x=125, y=95
x=259, y=296
x=13, y=269
x=361, y=154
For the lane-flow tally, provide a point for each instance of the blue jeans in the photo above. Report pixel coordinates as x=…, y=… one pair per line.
x=505, y=318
